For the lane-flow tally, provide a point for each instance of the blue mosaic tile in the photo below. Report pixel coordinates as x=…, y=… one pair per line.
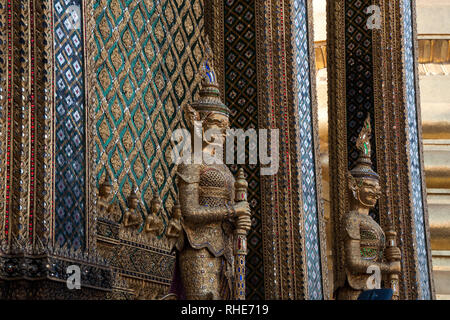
x=414, y=152
x=301, y=55
x=69, y=129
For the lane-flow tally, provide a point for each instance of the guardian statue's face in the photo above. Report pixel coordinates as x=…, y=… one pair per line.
x=369, y=192
x=218, y=122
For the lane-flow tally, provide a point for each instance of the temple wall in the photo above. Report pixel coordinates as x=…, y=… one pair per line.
x=266, y=87
x=109, y=94
x=143, y=64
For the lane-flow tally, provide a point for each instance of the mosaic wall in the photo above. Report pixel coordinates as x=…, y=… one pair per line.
x=146, y=56
x=414, y=151
x=241, y=97
x=310, y=208
x=246, y=94
x=359, y=80
x=69, y=124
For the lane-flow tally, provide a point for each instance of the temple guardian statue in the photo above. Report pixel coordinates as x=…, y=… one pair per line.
x=206, y=263
x=364, y=240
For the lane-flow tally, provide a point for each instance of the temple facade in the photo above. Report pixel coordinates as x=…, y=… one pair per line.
x=342, y=172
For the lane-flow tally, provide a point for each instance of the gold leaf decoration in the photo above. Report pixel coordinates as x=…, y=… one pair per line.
x=115, y=160
x=104, y=131
x=148, y=146
x=169, y=105
x=104, y=78
x=138, y=70
x=197, y=9
x=159, y=176
x=137, y=19
x=127, y=89
x=188, y=25
x=115, y=8
x=127, y=140
x=138, y=119
x=116, y=59
x=179, y=43
x=159, y=32
x=104, y=28
x=188, y=72
x=159, y=127
x=139, y=167
x=169, y=62
x=149, y=53
x=127, y=39
x=179, y=89
x=169, y=13
x=159, y=80
x=116, y=111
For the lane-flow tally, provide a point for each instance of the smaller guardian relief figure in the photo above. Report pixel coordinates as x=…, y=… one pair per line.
x=153, y=223
x=132, y=217
x=210, y=216
x=174, y=229
x=104, y=195
x=363, y=239
x=106, y=208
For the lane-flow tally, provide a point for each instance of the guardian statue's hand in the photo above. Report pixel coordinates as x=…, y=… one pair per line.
x=242, y=208
x=393, y=254
x=244, y=223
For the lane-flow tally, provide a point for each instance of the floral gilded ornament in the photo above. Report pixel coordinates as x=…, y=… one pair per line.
x=364, y=240
x=209, y=214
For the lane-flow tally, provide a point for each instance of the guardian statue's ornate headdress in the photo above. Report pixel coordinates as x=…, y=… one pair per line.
x=363, y=167
x=209, y=100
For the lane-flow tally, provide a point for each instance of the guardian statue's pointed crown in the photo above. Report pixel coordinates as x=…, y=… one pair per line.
x=209, y=100
x=363, y=167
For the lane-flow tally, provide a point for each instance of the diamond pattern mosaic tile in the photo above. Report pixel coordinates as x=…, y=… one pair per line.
x=414, y=152
x=69, y=125
x=241, y=97
x=359, y=82
x=309, y=195
x=147, y=61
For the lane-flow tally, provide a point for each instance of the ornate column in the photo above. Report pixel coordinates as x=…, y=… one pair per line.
x=24, y=126
x=373, y=71
x=269, y=84
x=32, y=267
